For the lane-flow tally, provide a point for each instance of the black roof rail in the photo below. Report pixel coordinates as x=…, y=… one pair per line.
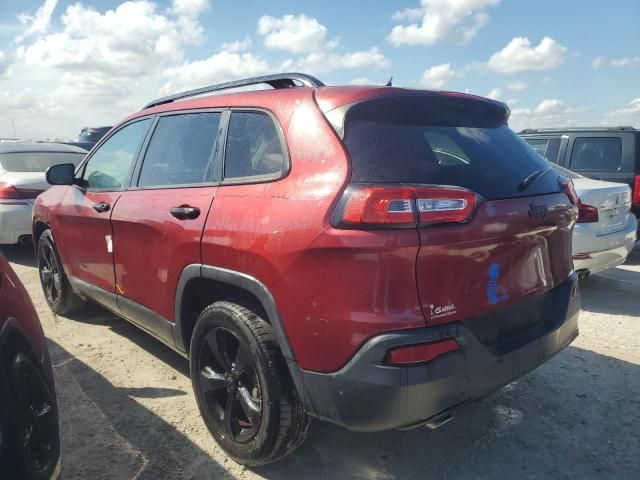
x=577, y=129
x=278, y=80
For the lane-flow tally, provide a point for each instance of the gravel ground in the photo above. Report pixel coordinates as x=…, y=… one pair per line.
x=127, y=410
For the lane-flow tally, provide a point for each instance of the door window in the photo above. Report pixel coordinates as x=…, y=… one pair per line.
x=181, y=150
x=253, y=147
x=109, y=167
x=546, y=147
x=597, y=153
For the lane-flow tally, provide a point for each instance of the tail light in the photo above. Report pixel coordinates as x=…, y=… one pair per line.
x=587, y=213
x=403, y=206
x=425, y=352
x=636, y=190
x=568, y=188
x=9, y=195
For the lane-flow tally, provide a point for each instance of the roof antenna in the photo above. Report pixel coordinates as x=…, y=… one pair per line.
x=389, y=84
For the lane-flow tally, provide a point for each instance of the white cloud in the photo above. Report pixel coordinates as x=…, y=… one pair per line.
x=4, y=63
x=517, y=86
x=362, y=81
x=625, y=62
x=550, y=112
x=325, y=61
x=494, y=94
x=296, y=34
x=520, y=56
x=220, y=67
x=437, y=76
x=550, y=106
x=39, y=22
x=98, y=65
x=237, y=46
x=627, y=115
x=190, y=8
x=456, y=20
x=598, y=62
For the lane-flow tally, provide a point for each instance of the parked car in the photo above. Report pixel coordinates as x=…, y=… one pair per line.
x=605, y=232
x=22, y=179
x=370, y=256
x=89, y=136
x=29, y=435
x=602, y=153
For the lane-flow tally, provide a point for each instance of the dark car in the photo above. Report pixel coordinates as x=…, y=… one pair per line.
x=370, y=256
x=29, y=436
x=89, y=136
x=602, y=153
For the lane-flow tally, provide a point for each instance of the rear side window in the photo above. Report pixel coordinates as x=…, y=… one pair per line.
x=109, y=167
x=441, y=141
x=253, y=147
x=546, y=147
x=597, y=153
x=181, y=150
x=37, y=161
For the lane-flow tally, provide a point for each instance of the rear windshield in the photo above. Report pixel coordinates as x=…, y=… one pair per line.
x=443, y=141
x=37, y=161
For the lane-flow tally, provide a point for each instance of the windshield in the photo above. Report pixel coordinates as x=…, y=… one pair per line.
x=37, y=161
x=442, y=141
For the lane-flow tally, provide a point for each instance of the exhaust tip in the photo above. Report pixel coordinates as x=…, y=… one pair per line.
x=438, y=421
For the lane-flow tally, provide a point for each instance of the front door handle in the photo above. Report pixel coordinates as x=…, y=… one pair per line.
x=185, y=212
x=101, y=207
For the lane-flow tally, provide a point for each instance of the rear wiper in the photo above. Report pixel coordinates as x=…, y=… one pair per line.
x=524, y=184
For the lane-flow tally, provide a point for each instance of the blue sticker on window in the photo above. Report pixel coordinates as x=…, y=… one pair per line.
x=495, y=294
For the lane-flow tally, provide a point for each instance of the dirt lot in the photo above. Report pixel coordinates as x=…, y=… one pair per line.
x=128, y=411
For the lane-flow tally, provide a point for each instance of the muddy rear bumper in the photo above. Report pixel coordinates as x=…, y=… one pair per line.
x=495, y=349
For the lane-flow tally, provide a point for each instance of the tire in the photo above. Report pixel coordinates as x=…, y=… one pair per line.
x=57, y=292
x=30, y=447
x=243, y=387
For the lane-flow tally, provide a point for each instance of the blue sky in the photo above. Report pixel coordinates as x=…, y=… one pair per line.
x=67, y=64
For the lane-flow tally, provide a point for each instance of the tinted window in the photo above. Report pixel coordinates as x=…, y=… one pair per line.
x=603, y=153
x=552, y=150
x=181, y=150
x=538, y=144
x=253, y=146
x=37, y=161
x=444, y=141
x=109, y=166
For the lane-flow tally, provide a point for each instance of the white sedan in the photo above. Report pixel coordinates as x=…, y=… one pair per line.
x=22, y=179
x=605, y=232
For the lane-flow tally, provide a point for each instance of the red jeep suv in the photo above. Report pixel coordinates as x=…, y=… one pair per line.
x=371, y=256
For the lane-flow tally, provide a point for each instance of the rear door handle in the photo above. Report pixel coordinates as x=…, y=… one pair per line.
x=185, y=212
x=101, y=207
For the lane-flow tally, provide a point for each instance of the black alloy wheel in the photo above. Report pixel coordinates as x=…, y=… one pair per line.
x=50, y=274
x=37, y=442
x=230, y=385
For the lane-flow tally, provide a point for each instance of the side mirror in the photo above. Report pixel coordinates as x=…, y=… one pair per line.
x=63, y=174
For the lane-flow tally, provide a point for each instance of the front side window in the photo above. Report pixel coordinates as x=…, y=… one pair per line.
x=109, y=166
x=253, y=147
x=181, y=150
x=597, y=153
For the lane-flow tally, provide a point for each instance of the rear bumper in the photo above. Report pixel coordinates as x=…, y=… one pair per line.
x=367, y=395
x=15, y=221
x=606, y=251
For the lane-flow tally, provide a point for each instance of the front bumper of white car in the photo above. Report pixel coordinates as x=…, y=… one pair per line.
x=15, y=222
x=597, y=253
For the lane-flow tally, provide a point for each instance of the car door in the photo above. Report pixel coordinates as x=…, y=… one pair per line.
x=158, y=223
x=604, y=156
x=83, y=234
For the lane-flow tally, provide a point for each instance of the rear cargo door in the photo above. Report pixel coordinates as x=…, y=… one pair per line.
x=517, y=243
